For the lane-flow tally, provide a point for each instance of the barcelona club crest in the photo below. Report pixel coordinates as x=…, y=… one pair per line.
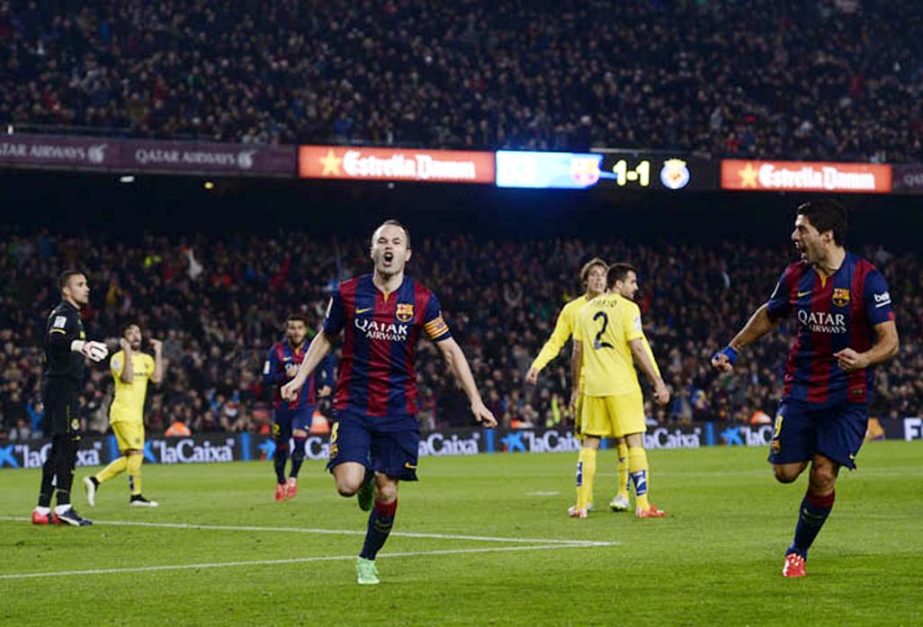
x=840, y=296
x=404, y=312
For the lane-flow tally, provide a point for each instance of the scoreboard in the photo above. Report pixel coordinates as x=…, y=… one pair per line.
x=626, y=170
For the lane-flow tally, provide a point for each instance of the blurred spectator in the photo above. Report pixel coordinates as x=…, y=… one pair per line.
x=757, y=78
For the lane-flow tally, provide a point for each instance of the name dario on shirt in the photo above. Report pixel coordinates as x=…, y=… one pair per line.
x=820, y=322
x=387, y=331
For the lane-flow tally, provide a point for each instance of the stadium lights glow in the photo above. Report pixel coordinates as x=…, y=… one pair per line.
x=208, y=185
x=128, y=178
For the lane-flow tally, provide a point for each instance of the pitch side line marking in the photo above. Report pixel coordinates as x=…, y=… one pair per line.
x=297, y=560
x=339, y=532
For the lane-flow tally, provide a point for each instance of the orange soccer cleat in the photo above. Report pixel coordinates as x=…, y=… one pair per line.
x=574, y=512
x=793, y=566
x=280, y=492
x=291, y=488
x=650, y=512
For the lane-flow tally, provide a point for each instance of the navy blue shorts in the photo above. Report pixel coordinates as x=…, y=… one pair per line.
x=802, y=430
x=387, y=445
x=285, y=421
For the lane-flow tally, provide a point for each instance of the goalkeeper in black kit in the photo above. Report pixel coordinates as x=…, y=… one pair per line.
x=66, y=347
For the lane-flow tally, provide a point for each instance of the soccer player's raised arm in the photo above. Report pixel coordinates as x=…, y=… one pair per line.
x=157, y=375
x=127, y=374
x=455, y=358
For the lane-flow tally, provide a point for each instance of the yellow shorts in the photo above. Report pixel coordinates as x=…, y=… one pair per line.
x=129, y=435
x=613, y=416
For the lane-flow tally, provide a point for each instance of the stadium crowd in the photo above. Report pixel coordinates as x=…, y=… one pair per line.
x=219, y=302
x=834, y=79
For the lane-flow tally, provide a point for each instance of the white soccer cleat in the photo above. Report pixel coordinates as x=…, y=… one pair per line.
x=90, y=489
x=573, y=512
x=619, y=503
x=140, y=501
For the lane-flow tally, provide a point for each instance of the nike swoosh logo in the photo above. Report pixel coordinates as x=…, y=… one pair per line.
x=800, y=294
x=362, y=311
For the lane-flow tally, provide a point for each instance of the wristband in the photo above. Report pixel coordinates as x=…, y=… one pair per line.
x=77, y=345
x=728, y=352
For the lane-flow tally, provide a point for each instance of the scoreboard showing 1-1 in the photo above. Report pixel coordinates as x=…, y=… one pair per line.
x=663, y=171
x=620, y=170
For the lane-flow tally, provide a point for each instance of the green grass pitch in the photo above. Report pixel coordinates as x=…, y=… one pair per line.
x=480, y=540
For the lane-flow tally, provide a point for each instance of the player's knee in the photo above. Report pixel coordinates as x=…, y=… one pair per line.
x=387, y=493
x=785, y=474
x=823, y=479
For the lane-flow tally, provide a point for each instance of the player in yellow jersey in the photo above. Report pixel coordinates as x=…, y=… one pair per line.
x=593, y=277
x=625, y=283
x=131, y=370
x=608, y=341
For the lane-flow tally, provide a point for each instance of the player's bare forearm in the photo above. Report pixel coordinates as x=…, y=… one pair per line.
x=757, y=326
x=157, y=377
x=458, y=364
x=576, y=365
x=885, y=347
x=318, y=349
x=128, y=370
x=644, y=361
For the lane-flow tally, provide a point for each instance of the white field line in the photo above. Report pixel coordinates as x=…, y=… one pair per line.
x=296, y=560
x=338, y=532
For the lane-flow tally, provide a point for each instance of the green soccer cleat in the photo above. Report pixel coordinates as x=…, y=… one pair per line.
x=366, y=573
x=366, y=494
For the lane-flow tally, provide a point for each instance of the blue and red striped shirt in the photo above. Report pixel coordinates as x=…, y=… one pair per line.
x=376, y=377
x=283, y=354
x=838, y=312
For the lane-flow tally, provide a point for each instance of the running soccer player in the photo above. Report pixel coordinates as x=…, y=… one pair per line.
x=625, y=284
x=845, y=326
x=593, y=277
x=292, y=420
x=131, y=371
x=375, y=439
x=608, y=341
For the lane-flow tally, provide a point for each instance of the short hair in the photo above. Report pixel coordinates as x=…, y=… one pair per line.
x=398, y=224
x=589, y=265
x=65, y=277
x=827, y=214
x=128, y=325
x=297, y=317
x=619, y=272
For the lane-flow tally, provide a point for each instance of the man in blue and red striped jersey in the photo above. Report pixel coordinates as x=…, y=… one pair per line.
x=376, y=436
x=845, y=326
x=292, y=419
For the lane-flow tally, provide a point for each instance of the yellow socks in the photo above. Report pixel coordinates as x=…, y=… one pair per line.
x=623, y=469
x=117, y=467
x=586, y=472
x=134, y=473
x=637, y=467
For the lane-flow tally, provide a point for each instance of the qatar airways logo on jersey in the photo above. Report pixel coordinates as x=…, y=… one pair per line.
x=388, y=331
x=821, y=322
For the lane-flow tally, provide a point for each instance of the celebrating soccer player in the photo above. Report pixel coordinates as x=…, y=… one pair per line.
x=292, y=420
x=608, y=341
x=593, y=277
x=375, y=439
x=845, y=326
x=131, y=371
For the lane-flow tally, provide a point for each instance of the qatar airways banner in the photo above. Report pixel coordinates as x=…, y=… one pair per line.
x=50, y=152
x=129, y=155
x=805, y=176
x=169, y=157
x=395, y=164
